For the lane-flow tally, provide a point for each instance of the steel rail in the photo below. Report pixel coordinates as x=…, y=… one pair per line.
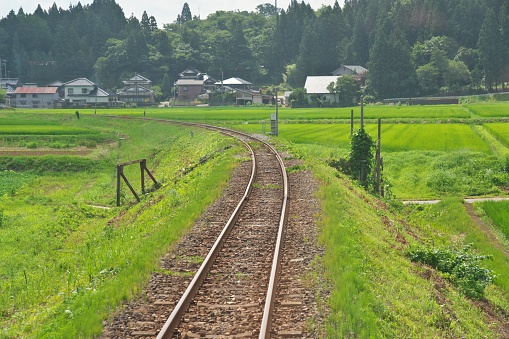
x=184, y=302
x=175, y=317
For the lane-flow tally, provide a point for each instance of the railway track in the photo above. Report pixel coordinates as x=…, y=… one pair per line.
x=233, y=292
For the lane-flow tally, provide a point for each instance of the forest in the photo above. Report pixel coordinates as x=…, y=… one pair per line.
x=410, y=47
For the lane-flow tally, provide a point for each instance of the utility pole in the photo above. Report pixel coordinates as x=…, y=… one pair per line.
x=276, y=123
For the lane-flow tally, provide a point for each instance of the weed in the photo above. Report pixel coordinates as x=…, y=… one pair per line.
x=460, y=266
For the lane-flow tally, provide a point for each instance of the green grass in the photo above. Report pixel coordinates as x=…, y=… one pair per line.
x=395, y=137
x=11, y=181
x=65, y=265
x=43, y=130
x=500, y=131
x=491, y=110
x=432, y=174
x=498, y=212
x=377, y=292
x=256, y=114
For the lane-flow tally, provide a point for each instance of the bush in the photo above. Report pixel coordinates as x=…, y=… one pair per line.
x=31, y=144
x=461, y=267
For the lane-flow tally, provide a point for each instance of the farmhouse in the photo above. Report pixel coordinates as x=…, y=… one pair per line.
x=235, y=83
x=34, y=97
x=83, y=92
x=358, y=71
x=249, y=96
x=317, y=85
x=137, y=90
x=193, y=83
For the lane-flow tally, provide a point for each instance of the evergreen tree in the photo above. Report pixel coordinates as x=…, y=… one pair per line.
x=166, y=87
x=490, y=50
x=186, y=15
x=145, y=22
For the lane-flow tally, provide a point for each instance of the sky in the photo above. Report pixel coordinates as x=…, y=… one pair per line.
x=165, y=11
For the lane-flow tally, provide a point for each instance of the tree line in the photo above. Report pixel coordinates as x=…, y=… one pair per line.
x=410, y=47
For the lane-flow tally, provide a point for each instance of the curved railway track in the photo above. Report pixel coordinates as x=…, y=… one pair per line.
x=232, y=292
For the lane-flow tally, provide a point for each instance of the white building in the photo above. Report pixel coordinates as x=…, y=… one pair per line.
x=83, y=92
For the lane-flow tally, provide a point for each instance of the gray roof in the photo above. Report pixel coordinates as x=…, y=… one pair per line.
x=190, y=82
x=353, y=68
x=80, y=82
x=318, y=84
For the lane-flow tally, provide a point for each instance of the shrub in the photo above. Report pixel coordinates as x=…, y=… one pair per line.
x=31, y=144
x=461, y=267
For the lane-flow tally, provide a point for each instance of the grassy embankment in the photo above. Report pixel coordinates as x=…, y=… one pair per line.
x=64, y=264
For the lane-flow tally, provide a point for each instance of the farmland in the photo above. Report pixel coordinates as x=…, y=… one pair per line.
x=77, y=262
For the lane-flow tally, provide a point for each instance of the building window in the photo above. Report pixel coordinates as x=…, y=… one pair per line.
x=22, y=102
x=35, y=96
x=23, y=95
x=184, y=88
x=70, y=91
x=84, y=91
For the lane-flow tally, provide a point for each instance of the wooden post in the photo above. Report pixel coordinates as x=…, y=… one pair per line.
x=143, y=169
x=378, y=172
x=143, y=164
x=351, y=122
x=120, y=168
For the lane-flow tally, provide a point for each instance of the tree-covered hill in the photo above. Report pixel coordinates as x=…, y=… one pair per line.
x=411, y=47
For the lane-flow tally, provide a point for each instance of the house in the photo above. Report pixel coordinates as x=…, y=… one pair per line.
x=317, y=85
x=235, y=83
x=249, y=96
x=190, y=89
x=137, y=90
x=193, y=83
x=82, y=92
x=34, y=97
x=358, y=72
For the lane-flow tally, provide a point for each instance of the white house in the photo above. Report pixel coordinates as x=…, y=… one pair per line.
x=83, y=92
x=317, y=85
x=236, y=83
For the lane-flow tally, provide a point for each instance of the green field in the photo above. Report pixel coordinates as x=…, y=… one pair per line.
x=490, y=110
x=498, y=212
x=500, y=131
x=43, y=130
x=395, y=137
x=257, y=114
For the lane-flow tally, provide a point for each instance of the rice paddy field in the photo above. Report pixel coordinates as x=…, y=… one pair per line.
x=498, y=213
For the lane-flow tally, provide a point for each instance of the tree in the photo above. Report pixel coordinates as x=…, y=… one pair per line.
x=490, y=50
x=267, y=10
x=186, y=15
x=2, y=96
x=145, y=22
x=391, y=52
x=166, y=87
x=348, y=89
x=298, y=97
x=331, y=87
